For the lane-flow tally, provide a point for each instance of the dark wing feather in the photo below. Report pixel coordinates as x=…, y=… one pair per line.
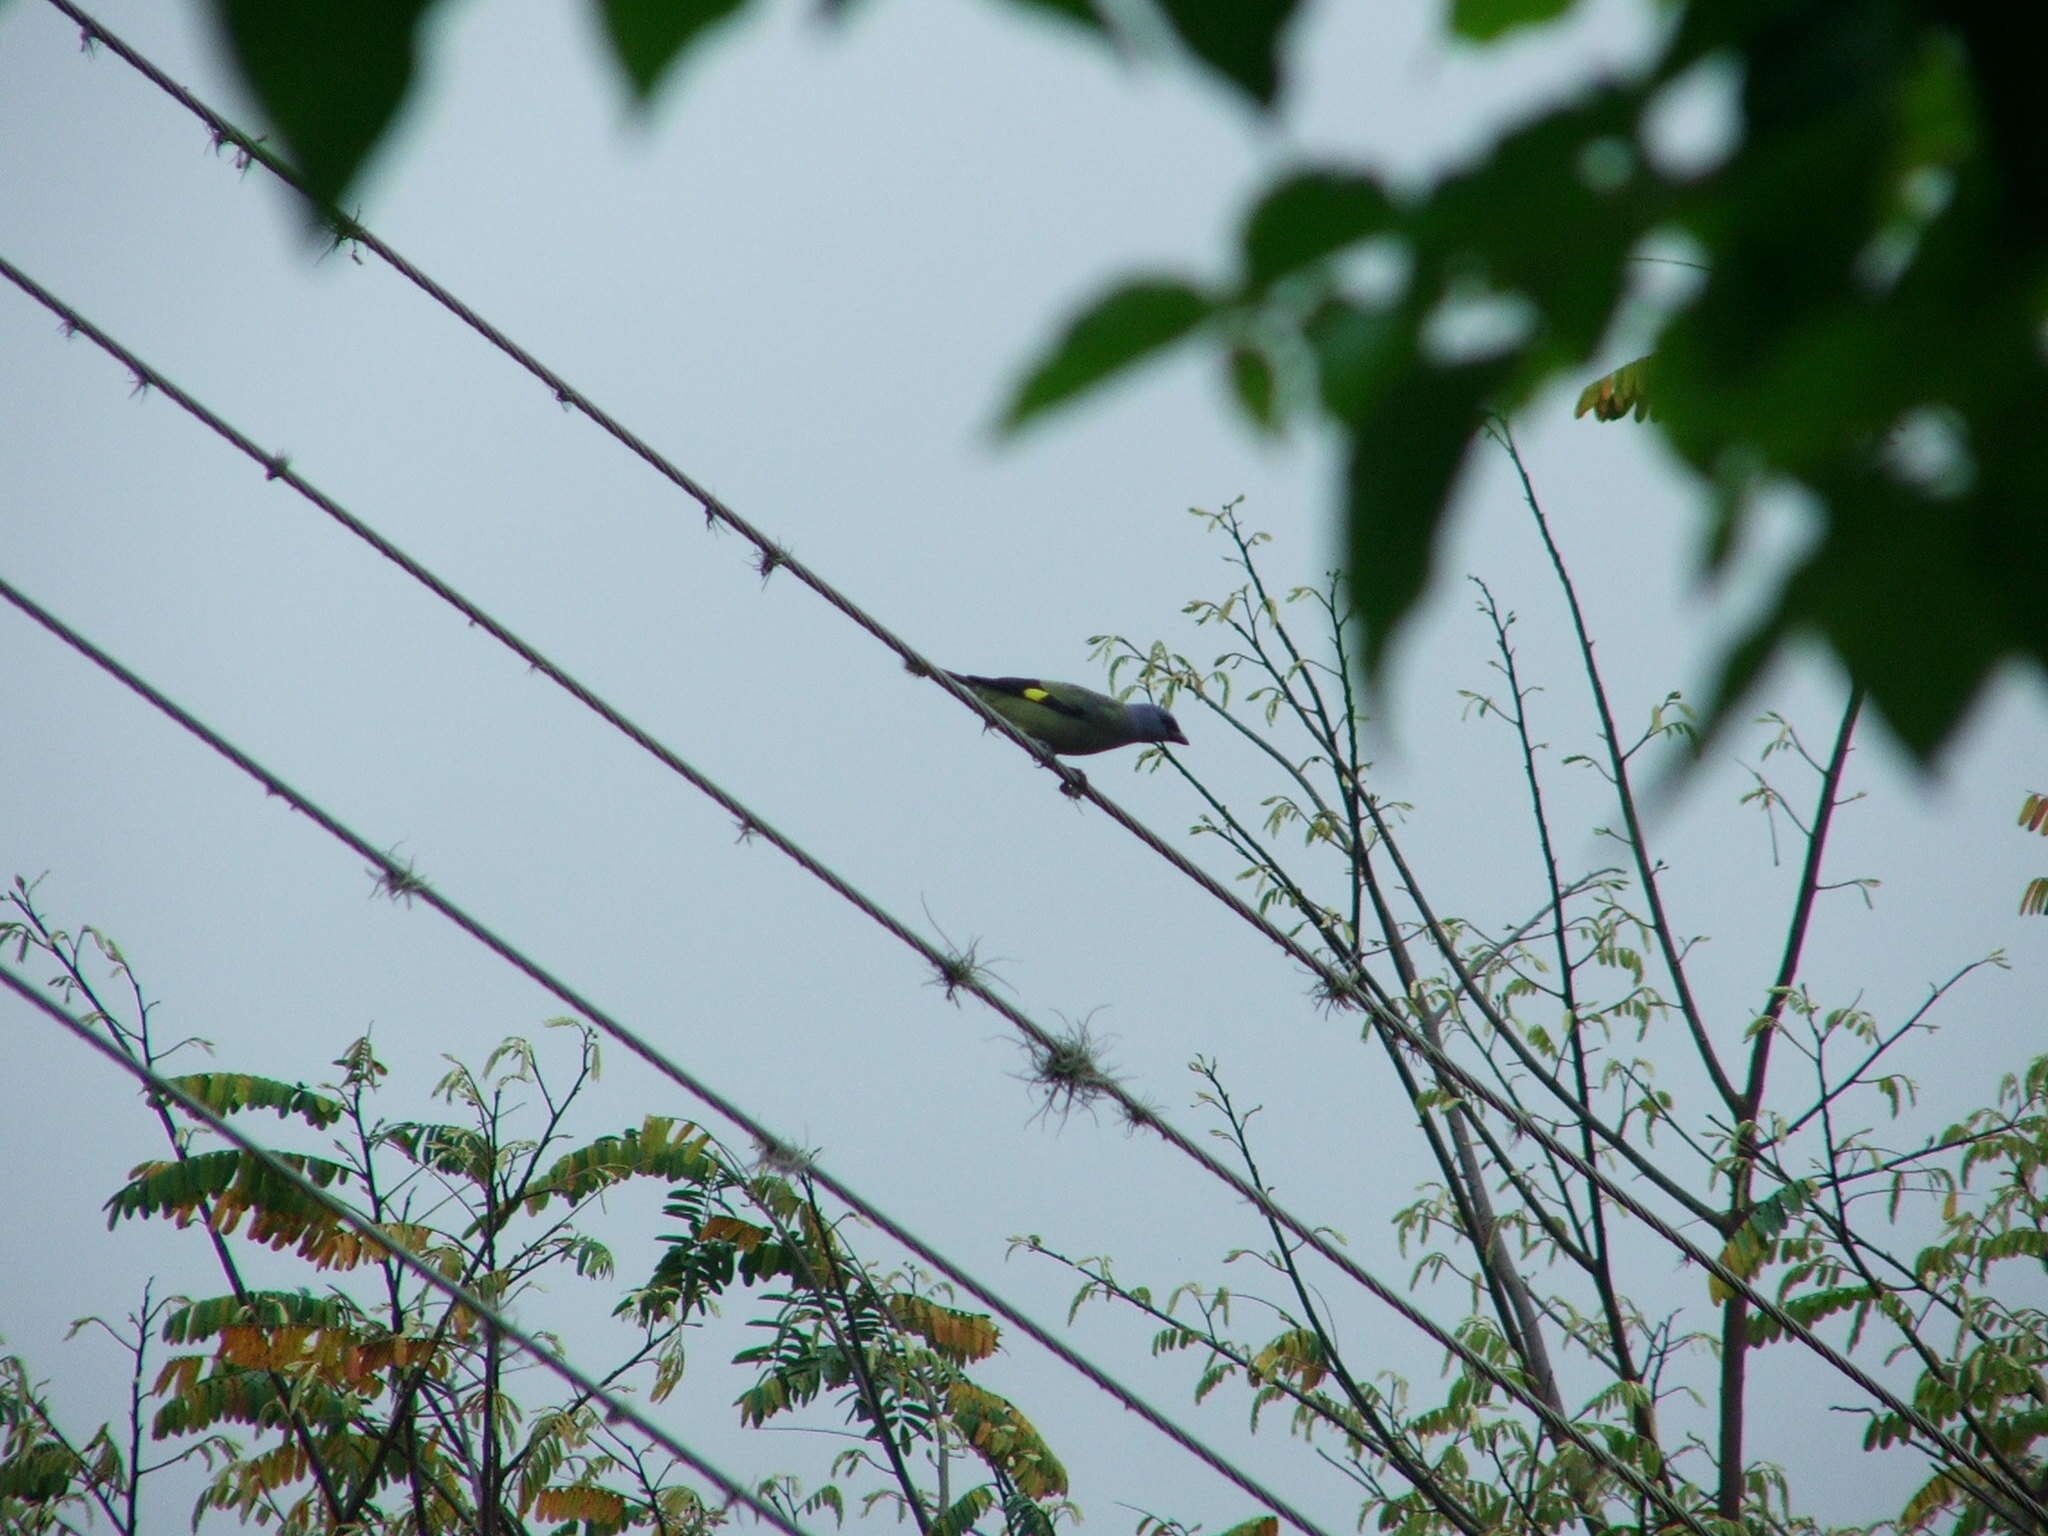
x=1019, y=687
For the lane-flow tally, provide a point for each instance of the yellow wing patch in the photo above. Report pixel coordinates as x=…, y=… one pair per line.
x=1035, y=695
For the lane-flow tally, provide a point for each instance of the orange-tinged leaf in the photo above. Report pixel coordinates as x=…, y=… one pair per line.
x=743, y=1235
x=1624, y=392
x=960, y=1336
x=581, y=1501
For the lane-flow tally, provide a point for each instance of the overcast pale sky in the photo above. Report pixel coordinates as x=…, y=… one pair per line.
x=808, y=277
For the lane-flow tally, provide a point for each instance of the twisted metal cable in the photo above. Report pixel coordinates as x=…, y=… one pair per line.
x=399, y=879
x=772, y=556
x=277, y=467
x=775, y=556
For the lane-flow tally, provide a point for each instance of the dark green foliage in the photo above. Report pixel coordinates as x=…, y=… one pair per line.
x=1307, y=216
x=226, y=1092
x=331, y=74
x=659, y=1149
x=1239, y=39
x=1077, y=12
x=198, y=1320
x=230, y=1177
x=1125, y=327
x=1484, y=20
x=38, y=1473
x=1876, y=258
x=649, y=37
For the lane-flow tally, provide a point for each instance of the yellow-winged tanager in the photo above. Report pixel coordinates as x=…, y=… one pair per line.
x=1068, y=718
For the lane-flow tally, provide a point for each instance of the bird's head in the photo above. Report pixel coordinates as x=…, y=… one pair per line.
x=1155, y=724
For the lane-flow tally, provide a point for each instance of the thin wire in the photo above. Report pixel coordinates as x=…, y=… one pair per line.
x=617, y=1408
x=277, y=467
x=400, y=881
x=774, y=556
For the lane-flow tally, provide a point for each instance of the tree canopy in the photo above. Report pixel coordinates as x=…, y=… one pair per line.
x=1866, y=331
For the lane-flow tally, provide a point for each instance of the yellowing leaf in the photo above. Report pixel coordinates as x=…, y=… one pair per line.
x=1624, y=392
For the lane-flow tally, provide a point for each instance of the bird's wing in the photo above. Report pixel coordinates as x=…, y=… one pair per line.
x=1030, y=689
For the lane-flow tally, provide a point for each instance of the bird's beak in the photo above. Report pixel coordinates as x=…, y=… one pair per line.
x=1176, y=736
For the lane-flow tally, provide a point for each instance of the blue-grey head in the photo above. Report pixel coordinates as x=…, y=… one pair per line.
x=1151, y=723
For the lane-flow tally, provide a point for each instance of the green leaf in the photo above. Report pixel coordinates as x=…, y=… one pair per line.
x=39, y=1472
x=1077, y=12
x=237, y=1182
x=1409, y=424
x=1360, y=355
x=261, y=1398
x=1123, y=328
x=1526, y=221
x=1403, y=459
x=1481, y=21
x=958, y=1520
x=1251, y=379
x=258, y=1309
x=454, y=1149
x=1308, y=216
x=331, y=74
x=1624, y=392
x=1239, y=39
x=227, y=1092
x=1749, y=1246
x=648, y=37
x=659, y=1148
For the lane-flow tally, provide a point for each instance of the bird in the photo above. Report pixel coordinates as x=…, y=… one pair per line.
x=1069, y=719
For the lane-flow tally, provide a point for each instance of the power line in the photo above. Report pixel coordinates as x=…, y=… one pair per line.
x=776, y=557
x=400, y=880
x=277, y=467
x=617, y=1407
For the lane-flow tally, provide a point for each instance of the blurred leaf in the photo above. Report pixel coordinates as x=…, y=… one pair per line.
x=1359, y=354
x=1240, y=39
x=1527, y=220
x=649, y=36
x=1310, y=215
x=1484, y=20
x=331, y=74
x=1125, y=327
x=1080, y=12
x=1251, y=379
x=1409, y=423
